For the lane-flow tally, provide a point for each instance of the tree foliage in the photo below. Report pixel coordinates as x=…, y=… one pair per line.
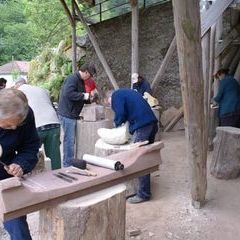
x=27, y=26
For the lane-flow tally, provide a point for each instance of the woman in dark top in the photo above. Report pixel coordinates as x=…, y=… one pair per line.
x=228, y=99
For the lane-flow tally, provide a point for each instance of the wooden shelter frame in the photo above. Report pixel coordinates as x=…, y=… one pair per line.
x=196, y=72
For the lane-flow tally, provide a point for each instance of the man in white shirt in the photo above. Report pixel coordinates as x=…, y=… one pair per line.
x=47, y=123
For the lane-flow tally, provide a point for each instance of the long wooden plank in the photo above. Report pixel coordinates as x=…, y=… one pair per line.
x=45, y=189
x=210, y=17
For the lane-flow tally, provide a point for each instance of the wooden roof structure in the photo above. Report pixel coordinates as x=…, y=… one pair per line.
x=200, y=53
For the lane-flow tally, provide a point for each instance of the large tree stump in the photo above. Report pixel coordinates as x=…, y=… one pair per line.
x=98, y=216
x=103, y=149
x=87, y=135
x=226, y=154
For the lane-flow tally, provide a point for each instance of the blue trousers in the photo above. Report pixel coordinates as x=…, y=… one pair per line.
x=142, y=134
x=18, y=228
x=69, y=131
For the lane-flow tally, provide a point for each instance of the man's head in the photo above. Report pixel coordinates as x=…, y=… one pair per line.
x=134, y=78
x=3, y=83
x=87, y=71
x=13, y=108
x=20, y=81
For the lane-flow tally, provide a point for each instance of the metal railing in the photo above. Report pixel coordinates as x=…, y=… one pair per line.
x=108, y=9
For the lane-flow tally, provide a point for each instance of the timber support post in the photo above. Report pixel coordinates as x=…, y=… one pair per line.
x=188, y=36
x=74, y=41
x=135, y=34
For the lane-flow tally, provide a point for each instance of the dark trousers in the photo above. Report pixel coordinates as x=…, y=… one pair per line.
x=142, y=134
x=230, y=120
x=18, y=228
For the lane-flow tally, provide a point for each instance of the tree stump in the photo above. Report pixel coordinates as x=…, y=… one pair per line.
x=226, y=154
x=100, y=215
x=87, y=135
x=103, y=149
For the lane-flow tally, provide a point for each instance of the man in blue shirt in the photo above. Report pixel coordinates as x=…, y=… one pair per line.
x=20, y=144
x=129, y=106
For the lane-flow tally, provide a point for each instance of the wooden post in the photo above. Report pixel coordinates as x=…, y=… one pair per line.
x=74, y=41
x=96, y=47
x=135, y=55
x=188, y=36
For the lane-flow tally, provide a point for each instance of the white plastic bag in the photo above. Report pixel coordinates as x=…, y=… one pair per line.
x=114, y=136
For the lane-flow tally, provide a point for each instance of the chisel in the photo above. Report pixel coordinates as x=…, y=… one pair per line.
x=67, y=176
x=63, y=178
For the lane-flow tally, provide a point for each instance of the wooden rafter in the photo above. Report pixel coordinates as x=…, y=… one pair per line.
x=96, y=47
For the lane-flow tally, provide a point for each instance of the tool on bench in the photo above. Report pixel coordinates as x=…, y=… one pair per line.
x=82, y=172
x=103, y=162
x=4, y=164
x=63, y=178
x=82, y=169
x=67, y=176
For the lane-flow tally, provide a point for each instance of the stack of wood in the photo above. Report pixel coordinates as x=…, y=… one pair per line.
x=172, y=119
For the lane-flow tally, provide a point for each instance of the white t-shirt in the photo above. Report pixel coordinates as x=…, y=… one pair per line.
x=39, y=101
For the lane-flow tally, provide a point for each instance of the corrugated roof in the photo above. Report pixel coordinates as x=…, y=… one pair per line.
x=19, y=66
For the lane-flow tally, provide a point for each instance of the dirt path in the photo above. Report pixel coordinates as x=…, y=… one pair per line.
x=170, y=215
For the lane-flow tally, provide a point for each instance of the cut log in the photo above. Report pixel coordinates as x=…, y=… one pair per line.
x=97, y=216
x=87, y=135
x=226, y=154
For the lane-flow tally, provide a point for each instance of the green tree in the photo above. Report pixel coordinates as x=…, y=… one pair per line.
x=15, y=37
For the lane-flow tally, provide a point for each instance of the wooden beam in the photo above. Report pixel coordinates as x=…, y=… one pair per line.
x=209, y=17
x=74, y=41
x=188, y=36
x=228, y=58
x=135, y=33
x=164, y=63
x=234, y=62
x=67, y=11
x=232, y=35
x=96, y=47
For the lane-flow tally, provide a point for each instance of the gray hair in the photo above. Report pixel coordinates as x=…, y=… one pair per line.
x=13, y=103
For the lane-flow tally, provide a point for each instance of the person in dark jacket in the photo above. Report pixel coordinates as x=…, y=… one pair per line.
x=228, y=98
x=140, y=84
x=129, y=106
x=20, y=144
x=72, y=98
